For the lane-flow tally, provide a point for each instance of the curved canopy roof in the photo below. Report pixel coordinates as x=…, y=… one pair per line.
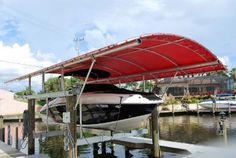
x=146, y=57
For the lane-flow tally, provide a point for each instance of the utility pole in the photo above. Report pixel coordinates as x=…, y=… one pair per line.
x=77, y=40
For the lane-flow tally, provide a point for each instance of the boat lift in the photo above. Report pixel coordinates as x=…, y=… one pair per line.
x=146, y=57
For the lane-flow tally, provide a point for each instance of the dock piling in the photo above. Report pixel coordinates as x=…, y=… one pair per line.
x=31, y=141
x=127, y=153
x=173, y=109
x=95, y=149
x=9, y=135
x=16, y=141
x=2, y=129
x=40, y=143
x=229, y=108
x=1, y=121
x=71, y=100
x=198, y=108
x=103, y=147
x=155, y=133
x=2, y=134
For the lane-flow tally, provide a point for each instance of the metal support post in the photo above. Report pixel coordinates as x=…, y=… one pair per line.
x=85, y=82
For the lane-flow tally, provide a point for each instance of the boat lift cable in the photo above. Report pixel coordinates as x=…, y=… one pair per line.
x=118, y=117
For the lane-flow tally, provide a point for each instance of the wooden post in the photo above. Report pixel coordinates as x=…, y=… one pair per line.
x=2, y=130
x=127, y=153
x=229, y=108
x=173, y=109
x=71, y=101
x=80, y=119
x=213, y=108
x=225, y=133
x=112, y=149
x=17, y=144
x=1, y=121
x=2, y=134
x=9, y=135
x=31, y=141
x=104, y=148
x=43, y=82
x=155, y=133
x=95, y=149
x=198, y=108
x=40, y=143
x=150, y=127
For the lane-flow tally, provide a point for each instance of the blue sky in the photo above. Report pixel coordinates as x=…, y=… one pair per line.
x=41, y=33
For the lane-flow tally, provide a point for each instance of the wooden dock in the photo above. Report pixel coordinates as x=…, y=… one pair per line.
x=139, y=142
x=134, y=142
x=6, y=151
x=105, y=138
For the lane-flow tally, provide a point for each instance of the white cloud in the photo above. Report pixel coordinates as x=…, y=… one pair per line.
x=96, y=38
x=105, y=22
x=17, y=60
x=225, y=60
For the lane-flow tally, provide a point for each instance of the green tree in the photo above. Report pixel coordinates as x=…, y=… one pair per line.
x=25, y=91
x=130, y=85
x=149, y=85
x=232, y=73
x=54, y=85
x=218, y=73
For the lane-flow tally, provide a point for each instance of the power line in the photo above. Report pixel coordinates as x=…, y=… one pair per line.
x=11, y=62
x=15, y=12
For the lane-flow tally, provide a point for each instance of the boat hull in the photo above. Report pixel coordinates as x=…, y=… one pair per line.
x=119, y=125
x=106, y=107
x=219, y=104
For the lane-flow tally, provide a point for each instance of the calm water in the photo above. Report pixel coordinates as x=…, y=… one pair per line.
x=189, y=129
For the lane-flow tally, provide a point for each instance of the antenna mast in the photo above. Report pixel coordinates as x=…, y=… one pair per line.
x=77, y=40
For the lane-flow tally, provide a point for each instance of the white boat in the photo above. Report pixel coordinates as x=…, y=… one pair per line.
x=106, y=106
x=219, y=103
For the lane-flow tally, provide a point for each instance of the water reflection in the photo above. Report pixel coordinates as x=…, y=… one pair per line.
x=189, y=129
x=195, y=129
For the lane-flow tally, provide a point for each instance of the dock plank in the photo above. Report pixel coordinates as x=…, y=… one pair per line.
x=147, y=142
x=8, y=151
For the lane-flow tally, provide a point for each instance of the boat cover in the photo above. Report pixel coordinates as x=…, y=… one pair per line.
x=146, y=57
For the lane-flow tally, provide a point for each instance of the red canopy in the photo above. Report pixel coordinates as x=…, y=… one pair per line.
x=146, y=57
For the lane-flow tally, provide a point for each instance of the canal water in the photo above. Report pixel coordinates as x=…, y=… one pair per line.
x=203, y=130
